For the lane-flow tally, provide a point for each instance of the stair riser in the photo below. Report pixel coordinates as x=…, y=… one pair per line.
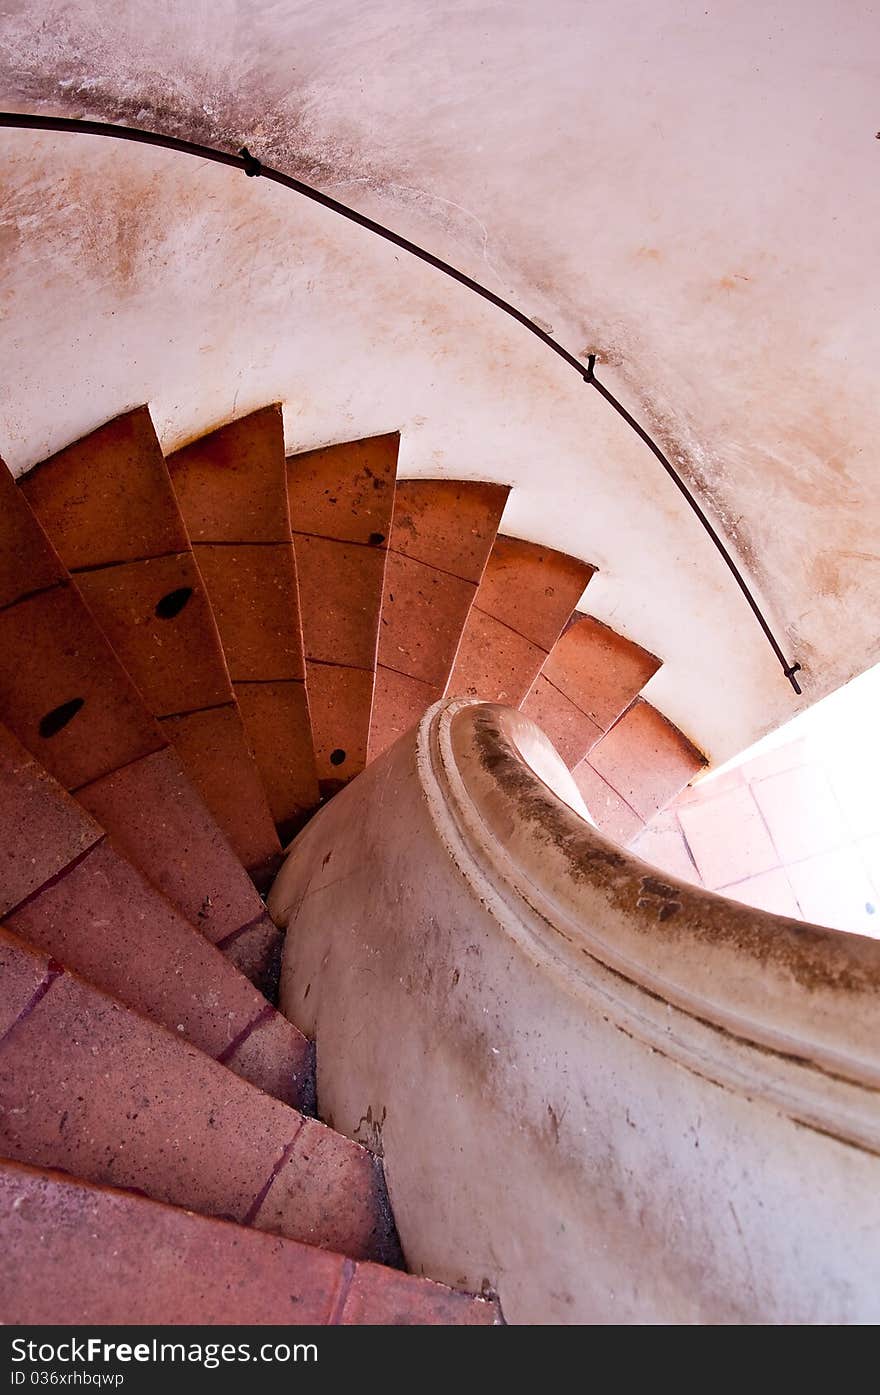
x=107, y=504
x=91, y=1088
x=81, y=1254
x=232, y=490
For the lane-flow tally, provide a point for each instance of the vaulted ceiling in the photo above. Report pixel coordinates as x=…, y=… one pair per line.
x=688, y=190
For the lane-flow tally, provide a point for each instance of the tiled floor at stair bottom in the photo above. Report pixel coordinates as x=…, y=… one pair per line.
x=793, y=825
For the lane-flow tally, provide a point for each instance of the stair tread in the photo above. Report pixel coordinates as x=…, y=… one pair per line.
x=531, y=588
x=110, y=751
x=228, y=484
x=399, y=701
x=572, y=732
x=255, y=597
x=341, y=500
x=442, y=532
x=176, y=665
x=54, y=655
x=76, y=1252
x=448, y=524
x=494, y=662
x=232, y=489
x=423, y=614
x=108, y=506
x=103, y=499
x=645, y=759
x=240, y=806
x=158, y=821
x=589, y=679
x=341, y=592
x=526, y=596
x=345, y=491
x=67, y=891
x=599, y=669
x=89, y=1087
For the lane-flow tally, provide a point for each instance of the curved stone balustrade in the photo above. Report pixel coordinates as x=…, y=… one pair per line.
x=608, y=1096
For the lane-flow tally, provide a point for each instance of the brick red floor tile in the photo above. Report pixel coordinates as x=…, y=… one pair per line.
x=341, y=702
x=213, y=748
x=255, y=599
x=278, y=723
x=159, y=823
x=106, y=498
x=176, y=662
x=340, y=588
x=230, y=484
x=42, y=829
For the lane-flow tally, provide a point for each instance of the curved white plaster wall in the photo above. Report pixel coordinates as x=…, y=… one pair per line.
x=692, y=193
x=609, y=1096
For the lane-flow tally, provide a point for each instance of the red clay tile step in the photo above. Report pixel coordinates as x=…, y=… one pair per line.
x=341, y=500
x=67, y=891
x=442, y=532
x=78, y=1253
x=634, y=770
x=525, y=598
x=232, y=489
x=88, y=1086
x=589, y=679
x=107, y=504
x=65, y=696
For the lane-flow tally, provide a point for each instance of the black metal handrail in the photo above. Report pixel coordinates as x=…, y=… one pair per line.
x=253, y=167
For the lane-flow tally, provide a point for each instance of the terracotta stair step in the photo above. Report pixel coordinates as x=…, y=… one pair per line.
x=232, y=490
x=523, y=602
x=442, y=532
x=91, y=1088
x=67, y=891
x=107, y=505
x=341, y=501
x=636, y=768
x=78, y=1253
x=589, y=679
x=65, y=696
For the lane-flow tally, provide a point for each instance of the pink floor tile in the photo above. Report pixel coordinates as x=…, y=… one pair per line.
x=728, y=838
x=834, y=889
x=802, y=812
x=857, y=788
x=664, y=847
x=776, y=760
x=769, y=891
x=710, y=786
x=869, y=852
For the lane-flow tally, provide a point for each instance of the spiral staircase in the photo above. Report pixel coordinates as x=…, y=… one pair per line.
x=198, y=653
